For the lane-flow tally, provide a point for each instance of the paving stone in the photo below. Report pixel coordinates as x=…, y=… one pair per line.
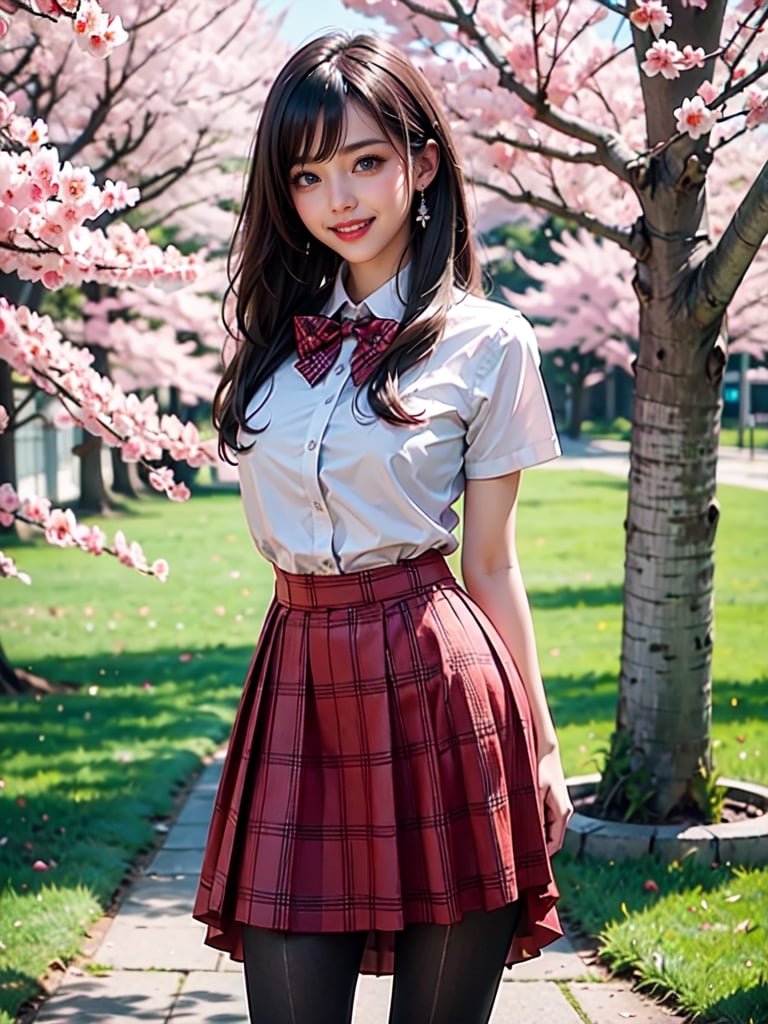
x=612, y=1002
x=211, y=997
x=197, y=810
x=135, y=945
x=176, y=862
x=186, y=837
x=229, y=966
x=540, y=1002
x=209, y=780
x=558, y=962
x=121, y=996
x=161, y=896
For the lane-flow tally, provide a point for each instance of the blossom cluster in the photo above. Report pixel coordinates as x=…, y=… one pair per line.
x=44, y=206
x=95, y=31
x=693, y=117
x=62, y=529
x=34, y=348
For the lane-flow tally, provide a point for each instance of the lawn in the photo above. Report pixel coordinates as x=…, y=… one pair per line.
x=89, y=775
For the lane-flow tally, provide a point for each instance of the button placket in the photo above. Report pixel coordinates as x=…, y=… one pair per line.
x=317, y=425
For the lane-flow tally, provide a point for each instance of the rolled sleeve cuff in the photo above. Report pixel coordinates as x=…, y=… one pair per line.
x=523, y=458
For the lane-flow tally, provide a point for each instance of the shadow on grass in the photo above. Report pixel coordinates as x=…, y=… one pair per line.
x=748, y=1005
x=751, y=701
x=92, y=770
x=16, y=989
x=575, y=597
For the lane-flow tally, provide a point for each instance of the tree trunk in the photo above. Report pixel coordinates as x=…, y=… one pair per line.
x=7, y=446
x=125, y=477
x=16, y=681
x=665, y=690
x=665, y=687
x=93, y=492
x=576, y=417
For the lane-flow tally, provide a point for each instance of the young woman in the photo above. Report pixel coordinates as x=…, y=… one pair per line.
x=393, y=787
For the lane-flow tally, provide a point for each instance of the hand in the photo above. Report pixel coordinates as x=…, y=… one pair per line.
x=554, y=799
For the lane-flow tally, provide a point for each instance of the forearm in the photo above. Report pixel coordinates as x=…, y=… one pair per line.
x=501, y=595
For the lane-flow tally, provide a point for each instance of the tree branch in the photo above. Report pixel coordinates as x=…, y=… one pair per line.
x=720, y=273
x=613, y=152
x=621, y=236
x=551, y=152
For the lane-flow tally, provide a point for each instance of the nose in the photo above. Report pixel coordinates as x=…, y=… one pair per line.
x=341, y=196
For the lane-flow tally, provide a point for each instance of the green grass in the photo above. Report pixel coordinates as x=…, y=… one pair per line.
x=699, y=932
x=620, y=429
x=159, y=669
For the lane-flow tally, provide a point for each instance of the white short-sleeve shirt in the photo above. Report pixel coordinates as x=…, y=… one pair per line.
x=329, y=487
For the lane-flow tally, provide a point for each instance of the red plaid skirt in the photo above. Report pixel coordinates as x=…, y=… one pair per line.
x=381, y=770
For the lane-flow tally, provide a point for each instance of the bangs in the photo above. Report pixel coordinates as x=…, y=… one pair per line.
x=314, y=120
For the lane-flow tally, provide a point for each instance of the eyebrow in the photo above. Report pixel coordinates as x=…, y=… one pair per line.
x=362, y=144
x=351, y=147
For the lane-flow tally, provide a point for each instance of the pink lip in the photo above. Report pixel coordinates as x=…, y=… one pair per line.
x=351, y=229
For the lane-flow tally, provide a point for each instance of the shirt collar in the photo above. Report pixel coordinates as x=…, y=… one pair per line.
x=386, y=302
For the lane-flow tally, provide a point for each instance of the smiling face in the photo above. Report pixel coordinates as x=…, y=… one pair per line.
x=359, y=202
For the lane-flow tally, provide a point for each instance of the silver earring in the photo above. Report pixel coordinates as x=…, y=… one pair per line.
x=422, y=214
x=306, y=249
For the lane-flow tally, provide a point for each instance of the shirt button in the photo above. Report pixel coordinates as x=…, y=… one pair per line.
x=311, y=446
x=339, y=369
x=318, y=505
x=328, y=400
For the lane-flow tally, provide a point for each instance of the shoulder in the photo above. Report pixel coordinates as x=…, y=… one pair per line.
x=485, y=332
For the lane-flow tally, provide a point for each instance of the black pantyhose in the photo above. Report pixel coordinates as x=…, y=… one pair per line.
x=443, y=974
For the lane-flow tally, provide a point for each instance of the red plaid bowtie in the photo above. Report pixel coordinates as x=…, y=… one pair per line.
x=318, y=342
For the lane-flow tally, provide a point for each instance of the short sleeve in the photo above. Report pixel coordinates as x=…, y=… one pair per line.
x=512, y=426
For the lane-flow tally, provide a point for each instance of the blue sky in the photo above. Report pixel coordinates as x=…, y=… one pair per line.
x=308, y=18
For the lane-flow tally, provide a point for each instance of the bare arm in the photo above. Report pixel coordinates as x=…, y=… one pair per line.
x=492, y=577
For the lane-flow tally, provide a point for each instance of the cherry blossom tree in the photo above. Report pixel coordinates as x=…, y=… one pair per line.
x=48, y=237
x=612, y=115
x=584, y=312
x=170, y=108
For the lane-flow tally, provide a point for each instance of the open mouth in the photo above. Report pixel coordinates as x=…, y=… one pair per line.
x=352, y=230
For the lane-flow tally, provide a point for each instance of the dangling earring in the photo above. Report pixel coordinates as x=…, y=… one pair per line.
x=422, y=214
x=306, y=248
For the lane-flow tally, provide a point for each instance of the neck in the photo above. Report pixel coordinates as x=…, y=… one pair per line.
x=361, y=281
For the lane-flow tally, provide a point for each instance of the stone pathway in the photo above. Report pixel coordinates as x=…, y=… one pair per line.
x=150, y=964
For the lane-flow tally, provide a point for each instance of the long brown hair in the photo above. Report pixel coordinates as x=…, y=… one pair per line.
x=276, y=269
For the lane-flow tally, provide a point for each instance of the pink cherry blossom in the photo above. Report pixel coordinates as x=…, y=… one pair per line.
x=4, y=419
x=651, y=14
x=179, y=492
x=161, y=479
x=9, y=503
x=663, y=57
x=61, y=528
x=707, y=91
x=756, y=105
x=160, y=569
x=91, y=538
x=693, y=57
x=9, y=570
x=36, y=510
x=694, y=117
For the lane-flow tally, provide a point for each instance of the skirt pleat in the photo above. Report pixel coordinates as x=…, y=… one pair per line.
x=381, y=770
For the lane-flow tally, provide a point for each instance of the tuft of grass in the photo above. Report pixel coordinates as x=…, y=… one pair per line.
x=159, y=669
x=694, y=930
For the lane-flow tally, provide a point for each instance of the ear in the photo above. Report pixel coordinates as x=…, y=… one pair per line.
x=426, y=164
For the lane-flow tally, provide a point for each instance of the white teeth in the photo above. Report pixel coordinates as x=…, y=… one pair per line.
x=348, y=231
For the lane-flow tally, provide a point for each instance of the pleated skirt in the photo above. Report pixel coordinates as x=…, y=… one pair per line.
x=381, y=770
